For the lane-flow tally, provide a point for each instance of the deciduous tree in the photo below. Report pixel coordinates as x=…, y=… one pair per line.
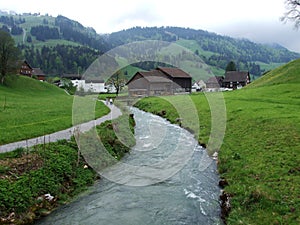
x=8, y=55
x=292, y=12
x=118, y=80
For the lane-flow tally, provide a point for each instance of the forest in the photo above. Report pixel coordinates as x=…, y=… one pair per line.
x=60, y=58
x=60, y=45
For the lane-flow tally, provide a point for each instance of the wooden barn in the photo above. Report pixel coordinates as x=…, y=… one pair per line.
x=161, y=81
x=182, y=81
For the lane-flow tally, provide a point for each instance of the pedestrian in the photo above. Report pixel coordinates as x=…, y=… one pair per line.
x=111, y=101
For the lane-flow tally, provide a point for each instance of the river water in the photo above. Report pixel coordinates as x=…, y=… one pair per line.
x=182, y=189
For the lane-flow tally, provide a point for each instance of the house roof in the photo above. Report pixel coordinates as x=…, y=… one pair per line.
x=71, y=76
x=22, y=62
x=174, y=72
x=38, y=72
x=155, y=76
x=215, y=79
x=236, y=76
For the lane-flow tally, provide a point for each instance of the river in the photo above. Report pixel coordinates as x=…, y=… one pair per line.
x=188, y=193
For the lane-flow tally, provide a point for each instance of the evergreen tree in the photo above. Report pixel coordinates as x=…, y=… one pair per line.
x=231, y=66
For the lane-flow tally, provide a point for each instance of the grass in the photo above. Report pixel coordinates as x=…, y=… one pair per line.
x=26, y=175
x=30, y=108
x=53, y=169
x=259, y=156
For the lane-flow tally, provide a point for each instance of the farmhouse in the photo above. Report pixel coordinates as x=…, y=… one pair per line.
x=26, y=69
x=39, y=74
x=214, y=83
x=89, y=85
x=236, y=79
x=161, y=81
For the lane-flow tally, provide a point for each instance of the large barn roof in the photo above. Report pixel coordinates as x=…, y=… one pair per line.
x=155, y=76
x=174, y=72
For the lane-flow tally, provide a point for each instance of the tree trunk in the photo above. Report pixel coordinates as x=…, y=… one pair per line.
x=2, y=80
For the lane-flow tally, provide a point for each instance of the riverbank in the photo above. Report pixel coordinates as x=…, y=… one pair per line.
x=259, y=156
x=36, y=180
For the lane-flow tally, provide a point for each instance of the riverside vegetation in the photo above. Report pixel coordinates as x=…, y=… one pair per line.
x=259, y=157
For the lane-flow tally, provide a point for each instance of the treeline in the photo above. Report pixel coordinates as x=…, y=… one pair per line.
x=60, y=58
x=43, y=33
x=221, y=61
x=9, y=21
x=222, y=48
x=140, y=34
x=73, y=31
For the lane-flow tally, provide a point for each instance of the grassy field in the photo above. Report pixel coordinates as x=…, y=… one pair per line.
x=30, y=108
x=260, y=152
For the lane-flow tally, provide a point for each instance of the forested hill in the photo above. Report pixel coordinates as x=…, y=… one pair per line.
x=55, y=44
x=61, y=45
x=216, y=50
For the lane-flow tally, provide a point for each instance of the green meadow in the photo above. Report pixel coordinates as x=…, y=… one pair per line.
x=30, y=108
x=259, y=155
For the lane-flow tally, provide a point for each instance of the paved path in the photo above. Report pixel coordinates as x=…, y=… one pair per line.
x=63, y=134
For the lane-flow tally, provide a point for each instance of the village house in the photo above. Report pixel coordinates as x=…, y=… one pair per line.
x=161, y=81
x=236, y=79
x=39, y=74
x=25, y=69
x=214, y=83
x=87, y=85
x=198, y=86
x=231, y=81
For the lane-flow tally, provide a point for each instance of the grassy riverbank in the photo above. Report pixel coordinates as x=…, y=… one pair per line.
x=55, y=169
x=260, y=152
x=30, y=108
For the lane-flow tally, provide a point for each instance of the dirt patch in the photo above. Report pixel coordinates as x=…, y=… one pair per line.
x=12, y=168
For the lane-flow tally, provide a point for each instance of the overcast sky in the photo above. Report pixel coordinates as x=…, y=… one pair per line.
x=257, y=20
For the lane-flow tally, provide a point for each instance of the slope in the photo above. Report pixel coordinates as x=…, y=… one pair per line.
x=215, y=50
x=30, y=108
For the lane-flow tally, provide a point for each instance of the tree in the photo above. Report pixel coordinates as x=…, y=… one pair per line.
x=292, y=12
x=118, y=81
x=231, y=66
x=8, y=55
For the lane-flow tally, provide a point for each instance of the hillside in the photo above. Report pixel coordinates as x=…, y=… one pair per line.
x=57, y=45
x=215, y=50
x=30, y=108
x=259, y=156
x=69, y=47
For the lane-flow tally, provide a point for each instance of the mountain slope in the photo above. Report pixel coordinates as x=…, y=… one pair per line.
x=32, y=32
x=216, y=50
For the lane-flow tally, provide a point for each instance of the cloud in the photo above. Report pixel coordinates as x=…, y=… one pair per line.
x=140, y=15
x=264, y=32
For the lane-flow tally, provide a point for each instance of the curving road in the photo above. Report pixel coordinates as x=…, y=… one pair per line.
x=63, y=134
